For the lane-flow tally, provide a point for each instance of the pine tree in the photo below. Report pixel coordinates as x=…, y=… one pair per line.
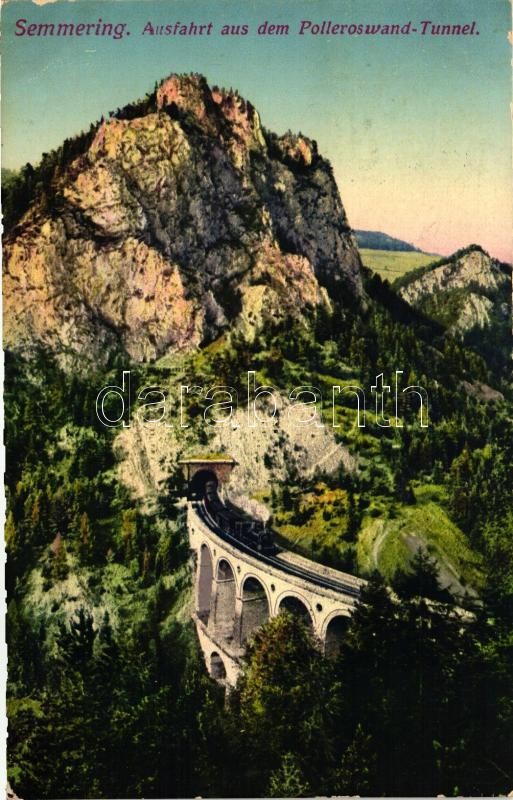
x=288, y=780
x=85, y=537
x=76, y=640
x=355, y=774
x=145, y=570
x=420, y=579
x=129, y=532
x=282, y=705
x=353, y=518
x=11, y=536
x=59, y=559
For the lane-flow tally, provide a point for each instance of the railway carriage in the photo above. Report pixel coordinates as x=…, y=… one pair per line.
x=250, y=532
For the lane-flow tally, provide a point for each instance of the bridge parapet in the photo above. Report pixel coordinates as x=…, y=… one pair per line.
x=289, y=557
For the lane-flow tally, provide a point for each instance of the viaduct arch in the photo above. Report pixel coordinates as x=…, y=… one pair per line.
x=237, y=589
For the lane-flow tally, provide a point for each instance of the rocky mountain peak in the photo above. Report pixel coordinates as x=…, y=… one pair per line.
x=181, y=217
x=217, y=111
x=469, y=293
x=471, y=267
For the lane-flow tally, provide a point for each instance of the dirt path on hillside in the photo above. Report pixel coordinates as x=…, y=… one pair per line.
x=378, y=543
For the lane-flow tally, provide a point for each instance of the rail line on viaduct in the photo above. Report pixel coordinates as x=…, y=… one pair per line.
x=238, y=586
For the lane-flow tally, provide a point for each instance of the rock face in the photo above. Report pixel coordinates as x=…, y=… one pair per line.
x=470, y=295
x=176, y=222
x=148, y=454
x=463, y=291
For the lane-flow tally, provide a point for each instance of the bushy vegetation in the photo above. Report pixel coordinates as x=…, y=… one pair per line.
x=107, y=692
x=397, y=712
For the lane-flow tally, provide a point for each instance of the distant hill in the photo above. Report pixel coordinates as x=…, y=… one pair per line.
x=470, y=294
x=376, y=240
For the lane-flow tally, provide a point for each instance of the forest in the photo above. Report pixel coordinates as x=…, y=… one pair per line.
x=108, y=695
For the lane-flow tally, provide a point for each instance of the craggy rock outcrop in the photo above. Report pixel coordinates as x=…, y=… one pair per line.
x=469, y=293
x=181, y=218
x=462, y=291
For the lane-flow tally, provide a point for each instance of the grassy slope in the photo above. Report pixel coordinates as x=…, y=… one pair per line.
x=388, y=537
x=387, y=542
x=392, y=264
x=390, y=533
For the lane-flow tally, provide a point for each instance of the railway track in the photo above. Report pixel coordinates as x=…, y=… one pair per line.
x=203, y=513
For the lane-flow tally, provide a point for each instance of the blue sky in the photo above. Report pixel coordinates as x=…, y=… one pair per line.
x=417, y=128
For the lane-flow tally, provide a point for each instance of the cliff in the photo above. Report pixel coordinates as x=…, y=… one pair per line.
x=182, y=217
x=470, y=294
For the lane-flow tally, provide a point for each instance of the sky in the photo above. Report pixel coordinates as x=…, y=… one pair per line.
x=417, y=128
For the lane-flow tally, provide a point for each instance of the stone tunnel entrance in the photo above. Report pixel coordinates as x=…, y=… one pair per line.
x=199, y=481
x=198, y=470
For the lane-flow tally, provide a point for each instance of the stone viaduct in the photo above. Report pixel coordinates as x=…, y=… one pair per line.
x=237, y=589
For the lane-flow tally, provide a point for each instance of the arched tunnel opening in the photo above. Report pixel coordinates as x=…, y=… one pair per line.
x=199, y=481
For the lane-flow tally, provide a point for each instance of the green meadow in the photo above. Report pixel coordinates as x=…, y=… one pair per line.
x=391, y=264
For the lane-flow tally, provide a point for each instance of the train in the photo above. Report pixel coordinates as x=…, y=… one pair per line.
x=232, y=522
